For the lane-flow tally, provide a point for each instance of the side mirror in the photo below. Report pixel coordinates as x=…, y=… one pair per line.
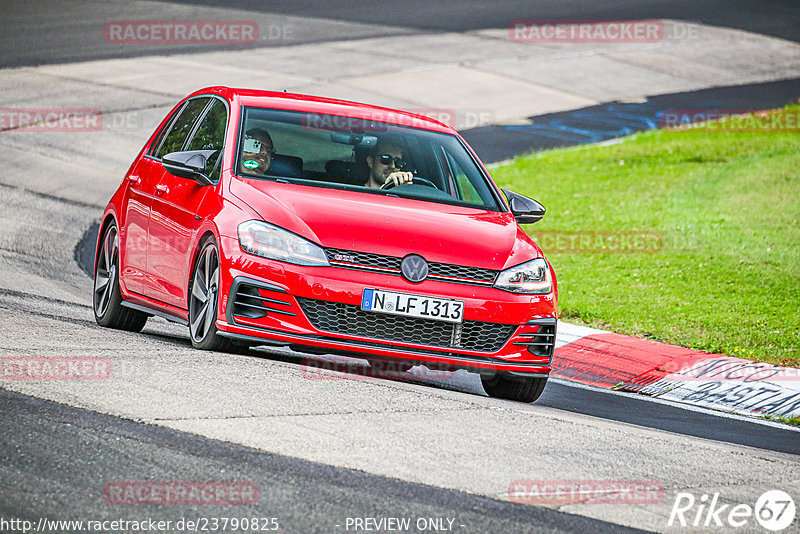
x=525, y=210
x=189, y=164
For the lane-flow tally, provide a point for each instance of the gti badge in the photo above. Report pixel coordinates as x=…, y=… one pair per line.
x=414, y=268
x=344, y=257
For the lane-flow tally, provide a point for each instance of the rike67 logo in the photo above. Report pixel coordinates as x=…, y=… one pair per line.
x=774, y=510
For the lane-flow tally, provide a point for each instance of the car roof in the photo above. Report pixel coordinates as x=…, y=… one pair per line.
x=323, y=105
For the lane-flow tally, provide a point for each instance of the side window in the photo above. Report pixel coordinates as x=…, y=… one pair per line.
x=174, y=140
x=210, y=135
x=165, y=129
x=466, y=190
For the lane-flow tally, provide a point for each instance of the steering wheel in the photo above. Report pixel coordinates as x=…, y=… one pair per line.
x=417, y=180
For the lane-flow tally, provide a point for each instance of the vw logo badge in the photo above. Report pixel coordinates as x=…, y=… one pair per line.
x=414, y=268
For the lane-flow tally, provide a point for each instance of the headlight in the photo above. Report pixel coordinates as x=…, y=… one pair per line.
x=532, y=277
x=269, y=241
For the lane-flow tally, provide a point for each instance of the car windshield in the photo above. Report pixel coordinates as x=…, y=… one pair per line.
x=361, y=155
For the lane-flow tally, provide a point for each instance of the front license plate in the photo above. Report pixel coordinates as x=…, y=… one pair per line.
x=412, y=305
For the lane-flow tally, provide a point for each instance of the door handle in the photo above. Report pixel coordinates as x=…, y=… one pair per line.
x=161, y=189
x=134, y=179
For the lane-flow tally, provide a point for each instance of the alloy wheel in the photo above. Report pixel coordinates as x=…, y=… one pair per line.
x=106, y=274
x=203, y=300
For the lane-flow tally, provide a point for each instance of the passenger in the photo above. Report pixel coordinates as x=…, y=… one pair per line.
x=384, y=162
x=257, y=153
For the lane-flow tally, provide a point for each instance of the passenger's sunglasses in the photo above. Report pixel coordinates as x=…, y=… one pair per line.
x=388, y=159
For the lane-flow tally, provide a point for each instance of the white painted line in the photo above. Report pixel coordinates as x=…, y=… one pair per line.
x=570, y=333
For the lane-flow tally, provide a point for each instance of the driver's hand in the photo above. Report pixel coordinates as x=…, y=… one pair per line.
x=399, y=177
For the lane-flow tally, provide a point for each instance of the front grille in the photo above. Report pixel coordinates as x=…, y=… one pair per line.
x=363, y=258
x=462, y=273
x=352, y=320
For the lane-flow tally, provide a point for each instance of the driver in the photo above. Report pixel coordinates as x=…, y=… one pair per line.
x=258, y=151
x=384, y=162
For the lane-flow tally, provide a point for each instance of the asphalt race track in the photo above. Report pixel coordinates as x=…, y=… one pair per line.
x=606, y=121
x=304, y=496
x=321, y=448
x=66, y=38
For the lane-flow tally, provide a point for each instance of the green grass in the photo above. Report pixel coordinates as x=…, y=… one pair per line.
x=788, y=420
x=727, y=279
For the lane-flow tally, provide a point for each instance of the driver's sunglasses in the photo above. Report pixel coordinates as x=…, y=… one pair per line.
x=388, y=159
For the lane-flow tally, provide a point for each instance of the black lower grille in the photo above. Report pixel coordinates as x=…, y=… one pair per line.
x=248, y=302
x=352, y=320
x=542, y=342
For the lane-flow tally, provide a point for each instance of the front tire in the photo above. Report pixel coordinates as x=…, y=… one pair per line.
x=519, y=389
x=204, y=299
x=107, y=299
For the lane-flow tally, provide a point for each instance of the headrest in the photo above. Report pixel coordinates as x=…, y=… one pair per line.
x=348, y=172
x=289, y=166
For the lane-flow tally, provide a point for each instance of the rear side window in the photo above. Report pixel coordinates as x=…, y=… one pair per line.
x=182, y=126
x=210, y=134
x=165, y=129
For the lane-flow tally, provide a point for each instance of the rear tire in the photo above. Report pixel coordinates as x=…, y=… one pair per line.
x=204, y=299
x=519, y=389
x=107, y=300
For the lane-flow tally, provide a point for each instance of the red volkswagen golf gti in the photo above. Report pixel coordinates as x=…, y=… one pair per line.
x=264, y=218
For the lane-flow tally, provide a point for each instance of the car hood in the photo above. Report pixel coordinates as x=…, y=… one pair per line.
x=390, y=226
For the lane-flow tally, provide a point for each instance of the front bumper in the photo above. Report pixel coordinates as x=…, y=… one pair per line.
x=270, y=302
